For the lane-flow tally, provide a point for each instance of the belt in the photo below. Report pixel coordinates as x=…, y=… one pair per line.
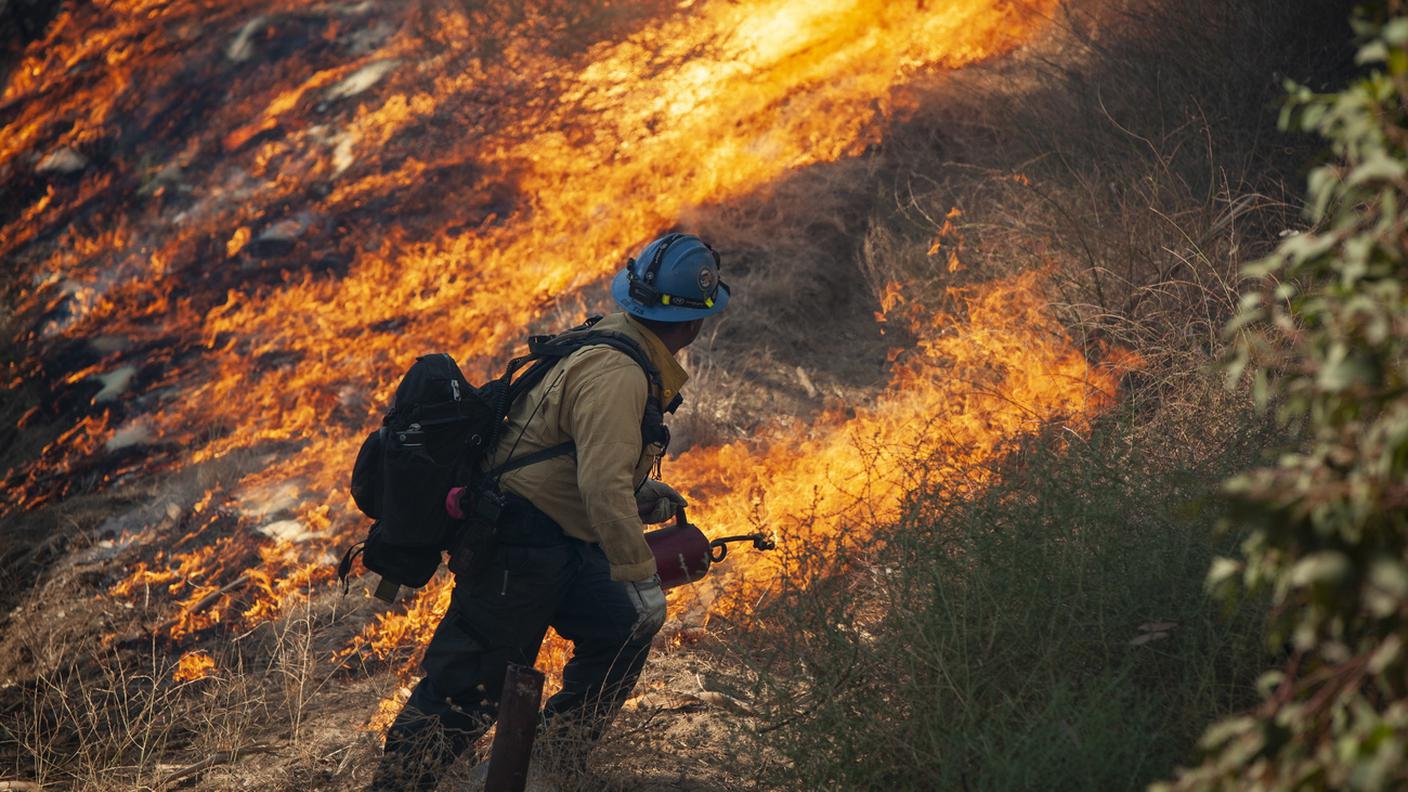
x=523, y=524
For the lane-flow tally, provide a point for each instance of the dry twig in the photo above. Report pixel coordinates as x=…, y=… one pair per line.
x=220, y=757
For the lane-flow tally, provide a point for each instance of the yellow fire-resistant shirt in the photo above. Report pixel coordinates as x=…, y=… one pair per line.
x=595, y=398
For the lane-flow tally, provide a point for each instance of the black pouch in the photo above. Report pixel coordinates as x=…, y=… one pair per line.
x=411, y=567
x=366, y=474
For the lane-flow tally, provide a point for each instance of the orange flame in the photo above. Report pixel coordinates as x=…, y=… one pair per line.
x=193, y=666
x=529, y=197
x=972, y=385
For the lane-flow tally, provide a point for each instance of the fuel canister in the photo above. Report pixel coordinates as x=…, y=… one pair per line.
x=682, y=553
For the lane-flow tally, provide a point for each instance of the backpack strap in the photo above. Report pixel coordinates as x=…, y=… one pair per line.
x=541, y=455
x=560, y=346
x=545, y=352
x=344, y=567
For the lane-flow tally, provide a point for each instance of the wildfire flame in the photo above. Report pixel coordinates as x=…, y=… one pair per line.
x=272, y=254
x=970, y=385
x=193, y=666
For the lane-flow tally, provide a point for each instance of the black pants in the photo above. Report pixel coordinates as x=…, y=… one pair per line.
x=536, y=578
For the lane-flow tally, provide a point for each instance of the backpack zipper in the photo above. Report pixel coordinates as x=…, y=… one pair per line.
x=455, y=387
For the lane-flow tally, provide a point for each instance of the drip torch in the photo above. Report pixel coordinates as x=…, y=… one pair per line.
x=683, y=553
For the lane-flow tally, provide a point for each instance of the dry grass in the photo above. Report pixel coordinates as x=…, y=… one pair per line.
x=100, y=714
x=93, y=701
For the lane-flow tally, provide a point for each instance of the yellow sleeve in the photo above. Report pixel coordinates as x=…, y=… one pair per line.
x=602, y=408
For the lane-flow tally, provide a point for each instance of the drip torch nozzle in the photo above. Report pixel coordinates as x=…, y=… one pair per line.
x=718, y=548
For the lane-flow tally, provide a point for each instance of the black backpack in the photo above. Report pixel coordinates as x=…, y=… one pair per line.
x=437, y=435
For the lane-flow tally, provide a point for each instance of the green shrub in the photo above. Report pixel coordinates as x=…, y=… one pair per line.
x=1324, y=339
x=1052, y=633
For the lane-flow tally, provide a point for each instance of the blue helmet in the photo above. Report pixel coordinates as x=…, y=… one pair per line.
x=674, y=279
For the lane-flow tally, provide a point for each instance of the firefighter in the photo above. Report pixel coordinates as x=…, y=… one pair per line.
x=570, y=551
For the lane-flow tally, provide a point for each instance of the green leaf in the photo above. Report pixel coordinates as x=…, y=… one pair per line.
x=1378, y=167
x=1223, y=575
x=1222, y=733
x=1325, y=566
x=1343, y=370
x=1395, y=32
x=1323, y=333
x=1261, y=388
x=1389, y=576
x=1373, y=52
x=1388, y=653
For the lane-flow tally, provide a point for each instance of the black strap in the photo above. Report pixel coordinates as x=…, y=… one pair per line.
x=558, y=347
x=542, y=455
x=653, y=268
x=344, y=567
x=545, y=352
x=690, y=302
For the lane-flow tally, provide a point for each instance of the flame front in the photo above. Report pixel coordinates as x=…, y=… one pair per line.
x=392, y=180
x=954, y=403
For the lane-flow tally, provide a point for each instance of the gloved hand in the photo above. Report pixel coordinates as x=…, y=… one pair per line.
x=657, y=501
x=649, y=601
